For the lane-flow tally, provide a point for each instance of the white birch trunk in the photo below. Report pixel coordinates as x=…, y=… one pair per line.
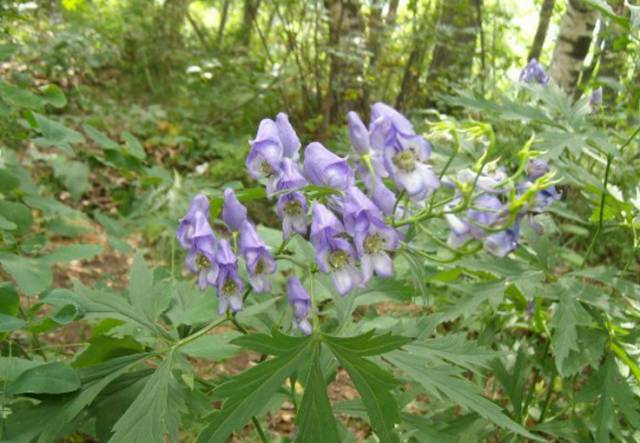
x=572, y=45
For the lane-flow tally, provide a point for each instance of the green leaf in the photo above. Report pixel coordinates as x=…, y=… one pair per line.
x=215, y=347
x=56, y=134
x=141, y=292
x=100, y=138
x=134, y=146
x=18, y=214
x=315, y=421
x=149, y=416
x=103, y=348
x=73, y=174
x=51, y=378
x=276, y=344
x=12, y=367
x=19, y=97
x=565, y=340
x=372, y=382
x=7, y=50
x=73, y=252
x=454, y=348
x=446, y=380
x=368, y=344
x=53, y=95
x=94, y=380
x=8, y=181
x=247, y=393
x=6, y=224
x=10, y=323
x=32, y=275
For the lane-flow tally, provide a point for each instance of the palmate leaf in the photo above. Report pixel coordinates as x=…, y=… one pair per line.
x=372, y=382
x=447, y=381
x=248, y=393
x=315, y=421
x=565, y=339
x=153, y=414
x=615, y=400
x=455, y=349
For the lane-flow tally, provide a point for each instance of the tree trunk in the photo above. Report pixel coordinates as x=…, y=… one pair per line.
x=572, y=46
x=223, y=22
x=614, y=56
x=546, y=11
x=452, y=58
x=249, y=13
x=346, y=71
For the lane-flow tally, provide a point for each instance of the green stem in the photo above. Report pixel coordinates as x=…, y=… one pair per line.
x=197, y=334
x=601, y=215
x=261, y=433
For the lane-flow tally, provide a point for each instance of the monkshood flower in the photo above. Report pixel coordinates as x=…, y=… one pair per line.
x=290, y=176
x=502, y=243
x=487, y=211
x=373, y=238
x=534, y=73
x=266, y=151
x=596, y=98
x=234, y=213
x=228, y=284
x=334, y=253
x=201, y=257
x=322, y=167
x=199, y=206
x=405, y=153
x=288, y=137
x=545, y=197
x=260, y=262
x=292, y=210
x=358, y=134
x=300, y=303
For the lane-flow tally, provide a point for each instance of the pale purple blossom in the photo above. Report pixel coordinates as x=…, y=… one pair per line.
x=201, y=257
x=228, y=284
x=234, y=213
x=288, y=137
x=300, y=303
x=534, y=73
x=358, y=134
x=199, y=206
x=259, y=261
x=266, y=151
x=334, y=253
x=322, y=167
x=292, y=210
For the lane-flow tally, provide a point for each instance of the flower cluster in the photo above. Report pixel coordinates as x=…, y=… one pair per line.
x=215, y=260
x=534, y=73
x=351, y=225
x=489, y=217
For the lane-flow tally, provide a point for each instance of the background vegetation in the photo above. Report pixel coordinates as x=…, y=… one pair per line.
x=114, y=113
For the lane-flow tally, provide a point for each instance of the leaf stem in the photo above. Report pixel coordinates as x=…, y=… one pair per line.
x=261, y=433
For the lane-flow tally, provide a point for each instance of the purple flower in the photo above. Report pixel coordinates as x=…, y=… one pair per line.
x=266, y=151
x=288, y=137
x=536, y=168
x=410, y=173
x=201, y=257
x=486, y=212
x=290, y=176
x=256, y=255
x=373, y=238
x=300, y=303
x=292, y=210
x=334, y=253
x=502, y=243
x=383, y=197
x=596, y=97
x=359, y=134
x=199, y=205
x=534, y=73
x=233, y=212
x=228, y=284
x=322, y=167
x=404, y=152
